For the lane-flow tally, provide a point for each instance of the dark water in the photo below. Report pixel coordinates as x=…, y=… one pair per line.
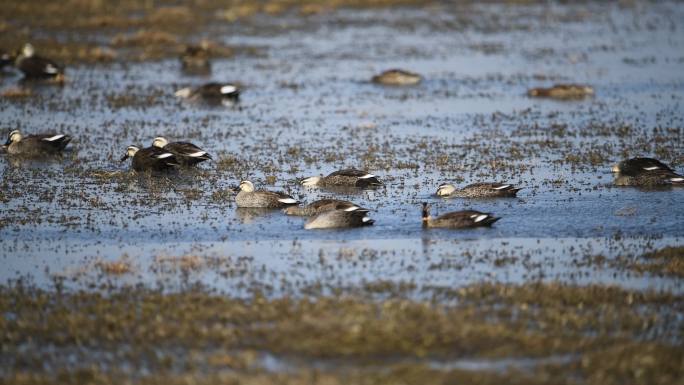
x=308, y=109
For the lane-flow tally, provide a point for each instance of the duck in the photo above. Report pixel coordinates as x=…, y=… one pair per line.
x=36, y=145
x=458, y=219
x=151, y=159
x=210, y=92
x=645, y=172
x=562, y=91
x=186, y=153
x=478, y=190
x=339, y=218
x=320, y=206
x=37, y=67
x=195, y=58
x=349, y=177
x=636, y=166
x=248, y=197
x=397, y=77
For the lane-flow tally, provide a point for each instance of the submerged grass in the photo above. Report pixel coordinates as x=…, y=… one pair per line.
x=606, y=334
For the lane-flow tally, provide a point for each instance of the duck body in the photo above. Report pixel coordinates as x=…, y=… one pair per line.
x=249, y=197
x=211, y=92
x=562, y=91
x=458, y=219
x=320, y=206
x=338, y=219
x=186, y=153
x=37, y=67
x=478, y=190
x=151, y=159
x=397, y=77
x=650, y=179
x=36, y=145
x=344, y=178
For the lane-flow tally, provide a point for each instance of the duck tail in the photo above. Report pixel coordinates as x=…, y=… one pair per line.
x=490, y=220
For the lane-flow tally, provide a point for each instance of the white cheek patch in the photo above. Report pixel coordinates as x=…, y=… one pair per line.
x=651, y=168
x=480, y=218
x=502, y=187
x=164, y=155
x=53, y=138
x=287, y=200
x=367, y=176
x=228, y=89
x=196, y=154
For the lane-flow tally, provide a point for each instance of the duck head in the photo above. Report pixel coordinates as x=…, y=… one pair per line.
x=27, y=50
x=245, y=186
x=130, y=152
x=445, y=189
x=184, y=92
x=310, y=181
x=13, y=137
x=160, y=142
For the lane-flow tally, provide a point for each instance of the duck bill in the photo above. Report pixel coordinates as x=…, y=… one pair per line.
x=235, y=189
x=8, y=142
x=124, y=158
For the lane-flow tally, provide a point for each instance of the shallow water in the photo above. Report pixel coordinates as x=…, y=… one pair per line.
x=308, y=109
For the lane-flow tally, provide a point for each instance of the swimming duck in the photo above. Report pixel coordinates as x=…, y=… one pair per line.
x=37, y=67
x=186, y=153
x=478, y=190
x=151, y=159
x=562, y=91
x=339, y=218
x=210, y=92
x=645, y=172
x=457, y=219
x=248, y=197
x=320, y=206
x=397, y=77
x=636, y=166
x=348, y=177
x=196, y=58
x=36, y=145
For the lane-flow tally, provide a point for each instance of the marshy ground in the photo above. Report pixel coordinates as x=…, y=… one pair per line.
x=112, y=275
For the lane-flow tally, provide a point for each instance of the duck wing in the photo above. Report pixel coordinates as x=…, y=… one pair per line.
x=37, y=66
x=187, y=149
x=635, y=166
x=52, y=141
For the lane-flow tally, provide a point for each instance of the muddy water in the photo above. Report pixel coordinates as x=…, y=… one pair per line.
x=308, y=109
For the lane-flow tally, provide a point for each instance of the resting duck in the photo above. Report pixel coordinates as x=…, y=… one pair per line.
x=195, y=58
x=248, y=197
x=397, y=77
x=36, y=145
x=478, y=190
x=151, y=159
x=645, y=172
x=320, y=206
x=211, y=92
x=186, y=153
x=457, y=219
x=37, y=67
x=344, y=178
x=339, y=218
x=562, y=91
